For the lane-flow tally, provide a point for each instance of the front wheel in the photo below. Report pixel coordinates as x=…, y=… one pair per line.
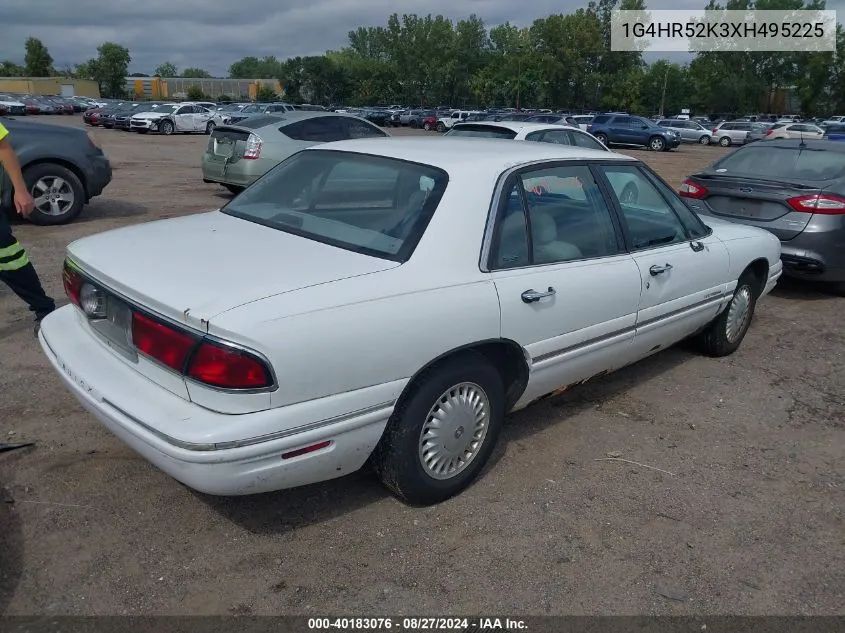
x=442, y=433
x=602, y=138
x=441, y=127
x=704, y=140
x=209, y=127
x=427, y=127
x=725, y=141
x=57, y=192
x=657, y=144
x=725, y=333
x=166, y=128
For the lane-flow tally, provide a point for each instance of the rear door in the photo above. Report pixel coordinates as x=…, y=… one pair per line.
x=682, y=265
x=184, y=119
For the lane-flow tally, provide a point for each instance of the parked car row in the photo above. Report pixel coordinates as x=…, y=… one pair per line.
x=30, y=104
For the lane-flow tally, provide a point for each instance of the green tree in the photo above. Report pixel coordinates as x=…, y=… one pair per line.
x=196, y=73
x=11, y=69
x=265, y=94
x=195, y=93
x=38, y=61
x=665, y=89
x=255, y=68
x=167, y=69
x=110, y=68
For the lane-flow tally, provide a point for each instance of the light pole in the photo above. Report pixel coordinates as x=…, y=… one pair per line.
x=518, y=74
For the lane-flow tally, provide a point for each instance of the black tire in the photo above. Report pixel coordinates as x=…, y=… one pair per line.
x=704, y=140
x=235, y=189
x=142, y=131
x=209, y=127
x=725, y=141
x=602, y=138
x=441, y=127
x=37, y=176
x=717, y=340
x=398, y=460
x=656, y=144
x=166, y=127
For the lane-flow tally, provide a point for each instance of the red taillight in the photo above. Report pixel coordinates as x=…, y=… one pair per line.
x=769, y=132
x=229, y=368
x=715, y=131
x=72, y=281
x=307, y=449
x=253, y=147
x=690, y=189
x=824, y=203
x=162, y=342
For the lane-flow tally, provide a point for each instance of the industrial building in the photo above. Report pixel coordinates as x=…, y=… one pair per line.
x=50, y=86
x=177, y=87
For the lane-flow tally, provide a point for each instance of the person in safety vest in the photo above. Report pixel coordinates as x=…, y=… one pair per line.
x=15, y=268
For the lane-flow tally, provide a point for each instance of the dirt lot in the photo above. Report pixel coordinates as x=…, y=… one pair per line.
x=749, y=522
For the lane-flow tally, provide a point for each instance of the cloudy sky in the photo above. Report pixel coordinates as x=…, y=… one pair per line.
x=211, y=34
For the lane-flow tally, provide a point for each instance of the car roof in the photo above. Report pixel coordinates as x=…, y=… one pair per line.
x=517, y=126
x=473, y=154
x=274, y=119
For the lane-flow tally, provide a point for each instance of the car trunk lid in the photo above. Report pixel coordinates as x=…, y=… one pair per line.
x=758, y=202
x=201, y=265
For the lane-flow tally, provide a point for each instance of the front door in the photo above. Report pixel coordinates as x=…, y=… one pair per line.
x=568, y=292
x=184, y=119
x=682, y=266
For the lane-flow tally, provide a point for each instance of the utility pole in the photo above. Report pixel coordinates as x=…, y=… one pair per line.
x=663, y=96
x=518, y=75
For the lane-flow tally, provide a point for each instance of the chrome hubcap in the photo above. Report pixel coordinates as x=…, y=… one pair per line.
x=454, y=431
x=738, y=314
x=655, y=144
x=52, y=195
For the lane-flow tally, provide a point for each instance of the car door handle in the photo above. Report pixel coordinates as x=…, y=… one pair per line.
x=659, y=270
x=532, y=296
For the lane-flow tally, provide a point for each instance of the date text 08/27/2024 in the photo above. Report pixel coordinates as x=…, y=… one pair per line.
x=416, y=624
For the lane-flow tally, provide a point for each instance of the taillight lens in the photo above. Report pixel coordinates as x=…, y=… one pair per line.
x=715, y=131
x=253, y=147
x=824, y=203
x=72, y=281
x=769, y=132
x=690, y=189
x=162, y=342
x=229, y=368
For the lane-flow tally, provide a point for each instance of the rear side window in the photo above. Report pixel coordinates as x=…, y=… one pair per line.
x=481, y=131
x=317, y=130
x=769, y=161
x=357, y=128
x=585, y=140
x=601, y=119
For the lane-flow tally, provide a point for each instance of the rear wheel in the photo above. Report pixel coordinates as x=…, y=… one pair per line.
x=602, y=138
x=442, y=432
x=235, y=189
x=209, y=127
x=725, y=333
x=427, y=127
x=725, y=141
x=441, y=127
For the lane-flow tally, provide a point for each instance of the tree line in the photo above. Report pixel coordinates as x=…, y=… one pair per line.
x=560, y=61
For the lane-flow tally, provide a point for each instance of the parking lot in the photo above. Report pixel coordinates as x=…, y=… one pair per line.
x=732, y=501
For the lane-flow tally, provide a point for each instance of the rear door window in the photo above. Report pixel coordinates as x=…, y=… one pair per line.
x=317, y=130
x=356, y=128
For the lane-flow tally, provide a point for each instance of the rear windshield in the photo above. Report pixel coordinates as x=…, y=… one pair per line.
x=481, y=131
x=368, y=204
x=792, y=163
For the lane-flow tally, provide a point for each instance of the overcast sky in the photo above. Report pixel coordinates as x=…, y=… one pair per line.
x=211, y=34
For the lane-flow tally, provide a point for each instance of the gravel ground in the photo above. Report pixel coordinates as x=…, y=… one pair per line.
x=750, y=520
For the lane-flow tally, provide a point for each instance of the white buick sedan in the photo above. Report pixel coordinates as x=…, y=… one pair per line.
x=389, y=301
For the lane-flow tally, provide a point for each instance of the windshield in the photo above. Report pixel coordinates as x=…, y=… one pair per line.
x=481, y=131
x=163, y=109
x=791, y=163
x=368, y=204
x=255, y=107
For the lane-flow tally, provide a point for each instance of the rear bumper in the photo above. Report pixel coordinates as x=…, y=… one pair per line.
x=136, y=410
x=99, y=176
x=817, y=253
x=240, y=173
